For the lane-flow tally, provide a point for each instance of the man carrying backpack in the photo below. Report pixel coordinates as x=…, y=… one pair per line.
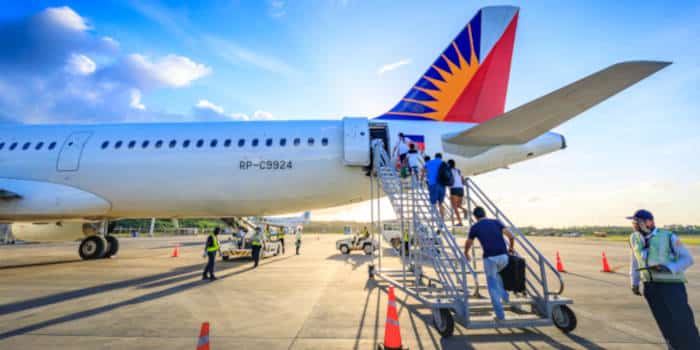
x=439, y=175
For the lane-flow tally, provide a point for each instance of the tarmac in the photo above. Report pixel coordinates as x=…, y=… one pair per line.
x=145, y=299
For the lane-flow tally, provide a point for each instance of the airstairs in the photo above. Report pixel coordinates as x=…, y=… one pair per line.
x=435, y=271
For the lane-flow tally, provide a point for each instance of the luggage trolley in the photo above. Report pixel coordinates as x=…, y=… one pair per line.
x=435, y=271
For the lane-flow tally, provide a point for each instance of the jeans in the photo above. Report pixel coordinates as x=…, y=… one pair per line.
x=256, y=255
x=209, y=269
x=669, y=305
x=492, y=266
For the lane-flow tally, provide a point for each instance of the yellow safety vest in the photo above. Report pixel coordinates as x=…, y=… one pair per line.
x=215, y=243
x=405, y=236
x=658, y=253
x=257, y=240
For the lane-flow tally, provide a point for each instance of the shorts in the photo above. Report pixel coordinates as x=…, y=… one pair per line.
x=437, y=193
x=457, y=191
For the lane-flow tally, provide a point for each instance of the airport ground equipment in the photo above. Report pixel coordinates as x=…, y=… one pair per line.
x=347, y=245
x=435, y=270
x=237, y=248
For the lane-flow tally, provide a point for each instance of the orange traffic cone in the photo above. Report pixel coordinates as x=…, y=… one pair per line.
x=203, y=343
x=606, y=266
x=392, y=331
x=176, y=253
x=560, y=266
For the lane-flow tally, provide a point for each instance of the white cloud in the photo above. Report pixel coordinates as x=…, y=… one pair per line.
x=135, y=102
x=79, y=64
x=277, y=8
x=236, y=54
x=392, y=66
x=66, y=18
x=110, y=42
x=171, y=70
x=262, y=115
x=204, y=104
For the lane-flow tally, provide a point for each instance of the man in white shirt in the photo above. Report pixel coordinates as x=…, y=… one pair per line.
x=401, y=149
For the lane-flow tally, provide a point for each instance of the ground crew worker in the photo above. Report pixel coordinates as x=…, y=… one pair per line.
x=280, y=237
x=405, y=242
x=364, y=233
x=659, y=259
x=297, y=239
x=210, y=249
x=257, y=242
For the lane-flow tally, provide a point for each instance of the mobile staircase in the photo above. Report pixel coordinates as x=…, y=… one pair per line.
x=434, y=270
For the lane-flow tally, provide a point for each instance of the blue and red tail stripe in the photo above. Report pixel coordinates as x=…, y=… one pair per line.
x=469, y=80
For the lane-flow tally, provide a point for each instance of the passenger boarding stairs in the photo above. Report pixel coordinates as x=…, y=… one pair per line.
x=436, y=272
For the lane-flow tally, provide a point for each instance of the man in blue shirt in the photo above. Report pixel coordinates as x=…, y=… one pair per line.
x=436, y=190
x=490, y=234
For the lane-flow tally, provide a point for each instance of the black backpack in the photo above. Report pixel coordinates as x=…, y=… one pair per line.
x=445, y=177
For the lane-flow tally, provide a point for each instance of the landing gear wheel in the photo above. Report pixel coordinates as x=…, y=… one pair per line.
x=564, y=318
x=113, y=246
x=344, y=249
x=367, y=249
x=444, y=322
x=92, y=247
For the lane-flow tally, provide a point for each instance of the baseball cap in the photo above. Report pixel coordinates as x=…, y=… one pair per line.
x=641, y=214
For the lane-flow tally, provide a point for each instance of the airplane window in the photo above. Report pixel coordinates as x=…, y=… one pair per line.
x=200, y=142
x=159, y=143
x=118, y=145
x=255, y=142
x=311, y=141
x=213, y=143
x=144, y=144
x=13, y=146
x=39, y=146
x=283, y=142
x=132, y=143
x=227, y=143
x=324, y=141
x=26, y=146
x=172, y=143
x=241, y=142
x=185, y=143
x=52, y=145
x=2, y=145
x=297, y=141
x=268, y=142
x=105, y=144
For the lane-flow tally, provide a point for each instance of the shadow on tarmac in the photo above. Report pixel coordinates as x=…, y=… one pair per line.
x=516, y=338
x=43, y=263
x=179, y=274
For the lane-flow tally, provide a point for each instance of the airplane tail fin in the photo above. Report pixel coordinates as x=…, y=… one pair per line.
x=469, y=80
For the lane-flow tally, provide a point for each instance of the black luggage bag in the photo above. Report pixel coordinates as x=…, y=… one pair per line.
x=513, y=275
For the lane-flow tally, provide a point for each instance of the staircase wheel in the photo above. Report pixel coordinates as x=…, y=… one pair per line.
x=564, y=318
x=444, y=322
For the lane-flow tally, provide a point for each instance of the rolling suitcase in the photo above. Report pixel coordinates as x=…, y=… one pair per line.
x=513, y=275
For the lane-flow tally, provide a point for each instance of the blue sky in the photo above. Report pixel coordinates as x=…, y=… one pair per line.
x=219, y=60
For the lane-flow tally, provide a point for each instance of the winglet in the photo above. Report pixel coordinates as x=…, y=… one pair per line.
x=539, y=116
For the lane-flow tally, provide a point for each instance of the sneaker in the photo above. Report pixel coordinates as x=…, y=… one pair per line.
x=499, y=321
x=213, y=278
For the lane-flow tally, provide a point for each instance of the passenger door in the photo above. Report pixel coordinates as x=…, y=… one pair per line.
x=72, y=150
x=356, y=141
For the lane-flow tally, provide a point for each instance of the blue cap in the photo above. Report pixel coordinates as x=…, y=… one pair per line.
x=641, y=214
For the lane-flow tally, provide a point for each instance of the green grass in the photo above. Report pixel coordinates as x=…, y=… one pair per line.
x=686, y=239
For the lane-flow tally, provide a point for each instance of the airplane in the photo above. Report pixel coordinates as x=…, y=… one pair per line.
x=65, y=177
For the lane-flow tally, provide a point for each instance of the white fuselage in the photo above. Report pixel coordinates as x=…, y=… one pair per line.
x=79, y=179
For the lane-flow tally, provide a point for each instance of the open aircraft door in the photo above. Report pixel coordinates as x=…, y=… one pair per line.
x=72, y=150
x=356, y=141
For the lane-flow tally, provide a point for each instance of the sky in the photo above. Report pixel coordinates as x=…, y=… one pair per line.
x=151, y=61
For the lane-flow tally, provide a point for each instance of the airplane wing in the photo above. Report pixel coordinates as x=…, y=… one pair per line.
x=7, y=195
x=537, y=117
